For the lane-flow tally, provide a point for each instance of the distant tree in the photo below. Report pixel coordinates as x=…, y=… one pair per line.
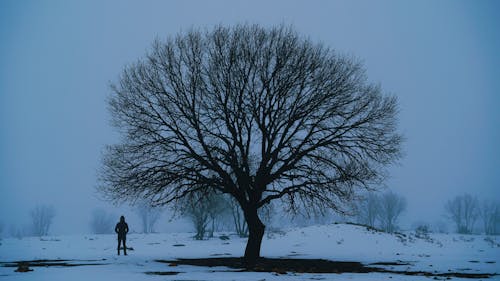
x=240, y=225
x=463, y=210
x=149, y=215
x=392, y=206
x=216, y=212
x=258, y=113
x=368, y=209
x=201, y=208
x=41, y=219
x=490, y=215
x=101, y=222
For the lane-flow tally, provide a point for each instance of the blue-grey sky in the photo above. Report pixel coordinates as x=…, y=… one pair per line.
x=57, y=58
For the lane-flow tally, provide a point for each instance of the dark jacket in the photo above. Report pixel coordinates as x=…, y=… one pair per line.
x=122, y=229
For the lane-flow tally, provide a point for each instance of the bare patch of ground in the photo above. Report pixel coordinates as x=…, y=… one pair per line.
x=162, y=272
x=277, y=266
x=283, y=266
x=46, y=263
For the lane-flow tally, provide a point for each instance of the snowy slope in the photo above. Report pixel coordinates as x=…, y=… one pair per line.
x=342, y=242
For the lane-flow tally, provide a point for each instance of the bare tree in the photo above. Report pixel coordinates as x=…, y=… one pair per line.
x=216, y=212
x=149, y=216
x=195, y=208
x=463, y=210
x=102, y=222
x=391, y=207
x=240, y=225
x=41, y=219
x=490, y=215
x=202, y=208
x=368, y=209
x=260, y=114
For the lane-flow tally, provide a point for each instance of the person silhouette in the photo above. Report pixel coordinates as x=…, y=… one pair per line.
x=121, y=229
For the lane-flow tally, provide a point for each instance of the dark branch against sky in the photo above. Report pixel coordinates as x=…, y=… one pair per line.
x=57, y=58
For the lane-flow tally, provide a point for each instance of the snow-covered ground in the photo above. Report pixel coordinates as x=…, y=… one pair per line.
x=440, y=253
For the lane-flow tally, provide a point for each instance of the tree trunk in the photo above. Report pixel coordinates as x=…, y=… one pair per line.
x=255, y=235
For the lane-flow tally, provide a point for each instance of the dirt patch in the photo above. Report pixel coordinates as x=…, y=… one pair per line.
x=23, y=267
x=277, y=265
x=162, y=272
x=46, y=263
x=283, y=266
x=391, y=263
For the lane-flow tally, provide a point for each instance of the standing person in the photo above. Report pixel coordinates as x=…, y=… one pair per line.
x=121, y=229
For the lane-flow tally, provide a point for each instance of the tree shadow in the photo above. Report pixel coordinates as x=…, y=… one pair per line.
x=284, y=266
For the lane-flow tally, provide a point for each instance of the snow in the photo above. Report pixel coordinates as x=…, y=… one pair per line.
x=341, y=242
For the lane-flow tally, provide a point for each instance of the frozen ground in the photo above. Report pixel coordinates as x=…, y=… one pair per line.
x=439, y=253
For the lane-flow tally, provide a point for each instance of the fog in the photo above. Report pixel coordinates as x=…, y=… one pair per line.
x=57, y=59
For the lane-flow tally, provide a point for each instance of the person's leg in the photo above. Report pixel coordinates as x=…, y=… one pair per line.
x=124, y=246
x=118, y=246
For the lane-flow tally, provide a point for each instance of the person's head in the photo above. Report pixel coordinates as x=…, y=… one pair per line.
x=122, y=219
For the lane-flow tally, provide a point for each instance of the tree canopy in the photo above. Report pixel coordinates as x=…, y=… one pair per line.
x=258, y=113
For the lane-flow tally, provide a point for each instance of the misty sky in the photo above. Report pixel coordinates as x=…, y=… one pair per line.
x=57, y=59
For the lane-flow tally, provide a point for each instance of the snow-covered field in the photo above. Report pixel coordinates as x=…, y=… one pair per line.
x=440, y=253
